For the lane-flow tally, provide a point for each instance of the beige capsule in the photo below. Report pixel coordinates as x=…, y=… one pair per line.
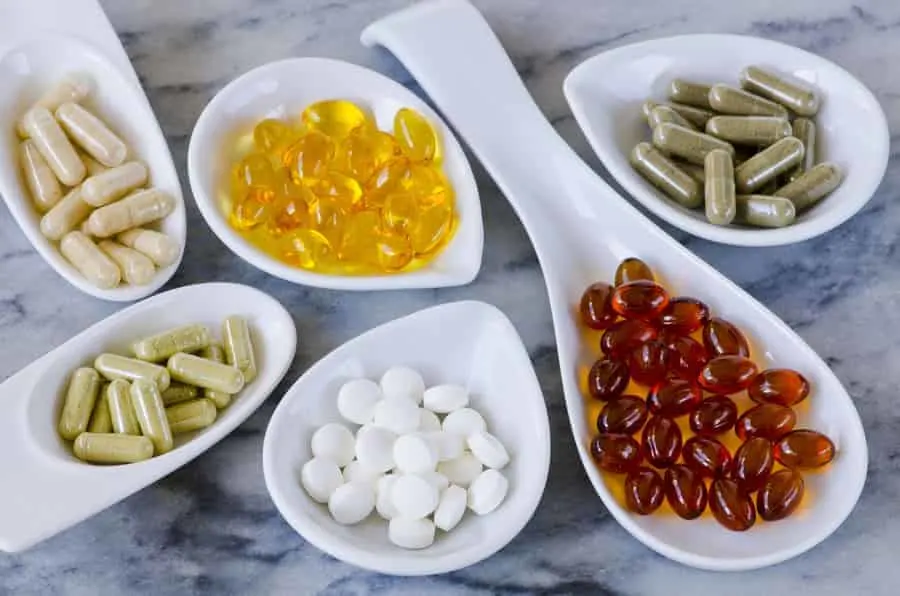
x=179, y=392
x=768, y=164
x=161, y=249
x=78, y=405
x=201, y=372
x=756, y=131
x=763, y=211
x=664, y=174
x=813, y=185
x=719, y=188
x=40, y=180
x=121, y=412
x=54, y=146
x=107, y=448
x=186, y=338
x=738, y=102
x=101, y=421
x=92, y=135
x=690, y=93
x=93, y=166
x=696, y=116
x=239, y=346
x=151, y=415
x=114, y=183
x=137, y=269
x=137, y=209
x=191, y=415
x=661, y=114
x=65, y=216
x=216, y=353
x=689, y=145
x=799, y=97
x=90, y=261
x=114, y=366
x=74, y=87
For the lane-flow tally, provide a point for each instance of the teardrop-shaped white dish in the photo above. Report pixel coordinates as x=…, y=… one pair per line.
x=581, y=230
x=46, y=488
x=467, y=343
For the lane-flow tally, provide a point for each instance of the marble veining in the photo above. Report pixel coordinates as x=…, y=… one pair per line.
x=211, y=528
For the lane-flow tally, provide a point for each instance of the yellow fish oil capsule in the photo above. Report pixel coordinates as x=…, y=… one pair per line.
x=364, y=151
x=270, y=134
x=798, y=97
x=54, y=146
x=79, y=403
x=42, y=184
x=334, y=117
x=161, y=249
x=393, y=251
x=719, y=188
x=239, y=346
x=92, y=134
x=201, y=372
x=415, y=135
x=738, y=102
x=137, y=209
x=89, y=260
x=689, y=93
x=768, y=164
x=101, y=421
x=73, y=88
x=661, y=114
x=106, y=448
x=136, y=268
x=689, y=145
x=812, y=186
x=696, y=116
x=151, y=415
x=65, y=216
x=187, y=338
x=121, y=412
x=114, y=366
x=191, y=415
x=114, y=183
x=179, y=392
x=310, y=156
x=215, y=353
x=661, y=172
x=764, y=211
x=433, y=226
x=756, y=131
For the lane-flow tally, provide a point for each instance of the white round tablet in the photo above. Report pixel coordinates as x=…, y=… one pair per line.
x=397, y=414
x=414, y=454
x=320, y=477
x=384, y=503
x=464, y=422
x=436, y=479
x=447, y=445
x=375, y=447
x=462, y=470
x=334, y=441
x=352, y=502
x=356, y=400
x=428, y=420
x=450, y=508
x=487, y=491
x=443, y=399
x=408, y=532
x=413, y=496
x=355, y=471
x=403, y=381
x=488, y=449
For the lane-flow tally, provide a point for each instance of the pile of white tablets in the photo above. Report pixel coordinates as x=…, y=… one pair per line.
x=419, y=458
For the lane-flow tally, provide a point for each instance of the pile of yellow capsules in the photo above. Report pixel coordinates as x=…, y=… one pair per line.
x=334, y=194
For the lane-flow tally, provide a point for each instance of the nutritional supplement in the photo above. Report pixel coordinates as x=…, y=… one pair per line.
x=805, y=130
x=403, y=381
x=780, y=495
x=706, y=456
x=764, y=211
x=81, y=395
x=661, y=441
x=626, y=415
x=684, y=315
x=689, y=145
x=42, y=184
x=624, y=336
x=356, y=400
x=662, y=114
x=188, y=338
x=121, y=412
x=686, y=356
x=649, y=363
x=151, y=415
x=320, y=478
x=238, y=346
x=719, y=188
x=134, y=267
x=487, y=491
x=756, y=131
x=352, y=502
x=812, y=186
x=488, y=450
x=629, y=270
x=690, y=93
x=643, y=491
x=137, y=209
x=416, y=137
x=191, y=415
x=462, y=470
x=375, y=447
x=413, y=454
x=107, y=448
x=721, y=338
x=161, y=249
x=114, y=366
x=731, y=506
x=411, y=533
x=100, y=418
x=804, y=449
x=674, y=397
x=768, y=164
x=729, y=100
x=607, y=379
x=464, y=422
x=799, y=98
x=93, y=263
x=73, y=88
x=92, y=134
x=443, y=399
x=727, y=374
x=397, y=414
x=201, y=372
x=451, y=507
x=753, y=463
x=334, y=442
x=65, y=216
x=216, y=353
x=113, y=184
x=696, y=116
x=769, y=421
x=54, y=146
x=714, y=415
x=685, y=491
x=779, y=386
x=644, y=300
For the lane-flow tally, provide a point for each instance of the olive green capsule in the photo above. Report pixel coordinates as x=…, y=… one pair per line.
x=121, y=412
x=151, y=415
x=720, y=206
x=661, y=172
x=113, y=366
x=689, y=145
x=763, y=211
x=738, y=102
x=662, y=114
x=812, y=186
x=239, y=346
x=690, y=93
x=101, y=422
x=106, y=448
x=215, y=353
x=191, y=415
x=768, y=164
x=201, y=372
x=696, y=116
x=647, y=107
x=757, y=131
x=179, y=392
x=799, y=97
x=79, y=403
x=188, y=338
x=691, y=169
x=805, y=130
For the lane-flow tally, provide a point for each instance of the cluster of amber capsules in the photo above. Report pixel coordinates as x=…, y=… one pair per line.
x=678, y=352
x=334, y=194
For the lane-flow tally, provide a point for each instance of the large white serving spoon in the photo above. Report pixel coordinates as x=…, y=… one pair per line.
x=581, y=229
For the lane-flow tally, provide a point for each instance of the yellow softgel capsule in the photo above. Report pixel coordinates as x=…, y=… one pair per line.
x=340, y=188
x=251, y=211
x=393, y=250
x=385, y=180
x=364, y=151
x=400, y=212
x=254, y=171
x=334, y=117
x=415, y=135
x=308, y=249
x=270, y=135
x=310, y=156
x=433, y=226
x=360, y=234
x=425, y=182
x=327, y=218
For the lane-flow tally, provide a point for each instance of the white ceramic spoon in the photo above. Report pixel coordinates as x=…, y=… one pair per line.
x=38, y=49
x=581, y=230
x=467, y=343
x=46, y=489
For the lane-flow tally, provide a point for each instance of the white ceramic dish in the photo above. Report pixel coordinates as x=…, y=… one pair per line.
x=47, y=489
x=282, y=89
x=581, y=230
x=606, y=91
x=469, y=343
x=29, y=69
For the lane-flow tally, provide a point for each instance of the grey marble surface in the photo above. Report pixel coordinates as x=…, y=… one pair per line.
x=211, y=527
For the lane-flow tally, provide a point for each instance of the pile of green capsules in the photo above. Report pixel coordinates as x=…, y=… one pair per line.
x=748, y=155
x=176, y=383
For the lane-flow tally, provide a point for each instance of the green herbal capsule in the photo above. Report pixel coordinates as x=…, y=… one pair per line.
x=661, y=172
x=691, y=169
x=79, y=403
x=188, y=338
x=113, y=366
x=179, y=392
x=689, y=145
x=812, y=186
x=738, y=102
x=647, y=107
x=191, y=415
x=121, y=412
x=662, y=114
x=805, y=130
x=756, y=131
x=215, y=353
x=720, y=203
x=768, y=164
x=239, y=346
x=799, y=97
x=764, y=211
x=201, y=372
x=106, y=448
x=101, y=422
x=151, y=415
x=696, y=116
x=690, y=93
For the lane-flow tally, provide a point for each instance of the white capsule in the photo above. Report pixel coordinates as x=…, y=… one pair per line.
x=403, y=381
x=352, y=502
x=356, y=400
x=384, y=503
x=397, y=414
x=136, y=268
x=39, y=178
x=65, y=216
x=411, y=533
x=436, y=479
x=320, y=477
x=462, y=470
x=488, y=449
x=137, y=209
x=335, y=442
x=54, y=146
x=73, y=87
x=92, y=134
x=113, y=184
x=375, y=447
x=428, y=421
x=161, y=249
x=414, y=454
x=92, y=262
x=444, y=399
x=356, y=471
x=487, y=492
x=413, y=496
x=451, y=507
x=447, y=445
x=464, y=422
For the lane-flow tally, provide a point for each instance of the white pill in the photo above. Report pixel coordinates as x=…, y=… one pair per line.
x=428, y=421
x=375, y=447
x=161, y=249
x=443, y=399
x=356, y=400
x=462, y=470
x=436, y=479
x=413, y=496
x=464, y=422
x=137, y=269
x=335, y=442
x=448, y=445
x=411, y=533
x=384, y=502
x=356, y=471
x=414, y=454
x=403, y=381
x=352, y=502
x=111, y=185
x=487, y=492
x=488, y=449
x=397, y=414
x=320, y=477
x=92, y=134
x=451, y=507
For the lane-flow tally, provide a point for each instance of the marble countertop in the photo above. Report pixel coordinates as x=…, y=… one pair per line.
x=211, y=527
